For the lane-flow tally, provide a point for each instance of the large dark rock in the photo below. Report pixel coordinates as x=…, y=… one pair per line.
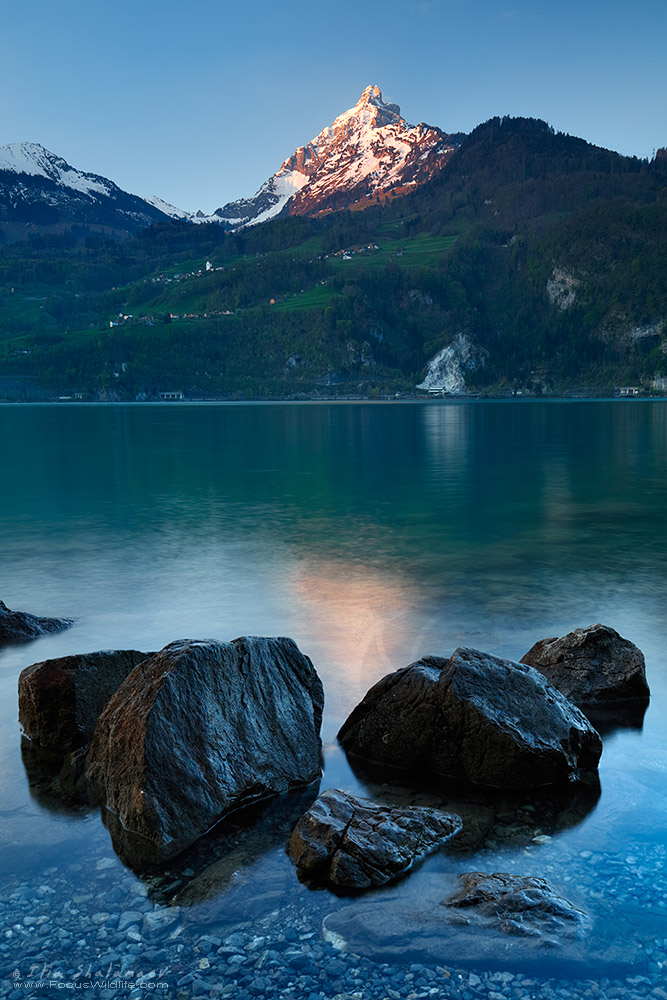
x=476, y=718
x=15, y=626
x=353, y=843
x=197, y=730
x=60, y=700
x=592, y=666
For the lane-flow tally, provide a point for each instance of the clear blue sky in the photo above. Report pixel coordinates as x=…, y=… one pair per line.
x=200, y=101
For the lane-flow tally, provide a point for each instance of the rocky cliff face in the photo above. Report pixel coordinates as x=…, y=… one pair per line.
x=446, y=371
x=368, y=152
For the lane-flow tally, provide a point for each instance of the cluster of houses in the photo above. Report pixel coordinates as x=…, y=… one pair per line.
x=170, y=279
x=124, y=317
x=171, y=317
x=348, y=254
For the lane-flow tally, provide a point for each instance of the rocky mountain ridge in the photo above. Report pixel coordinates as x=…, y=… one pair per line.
x=41, y=191
x=368, y=152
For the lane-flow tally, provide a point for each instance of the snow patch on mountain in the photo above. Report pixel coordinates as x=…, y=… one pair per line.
x=167, y=208
x=269, y=201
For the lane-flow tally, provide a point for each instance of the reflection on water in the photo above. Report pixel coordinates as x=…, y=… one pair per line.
x=46, y=780
x=365, y=613
x=491, y=817
x=212, y=865
x=607, y=719
x=373, y=535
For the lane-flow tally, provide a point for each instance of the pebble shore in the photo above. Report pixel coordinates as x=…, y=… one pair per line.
x=111, y=935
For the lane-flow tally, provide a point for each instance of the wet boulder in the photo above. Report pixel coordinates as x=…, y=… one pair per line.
x=60, y=700
x=353, y=843
x=473, y=718
x=16, y=626
x=592, y=666
x=196, y=731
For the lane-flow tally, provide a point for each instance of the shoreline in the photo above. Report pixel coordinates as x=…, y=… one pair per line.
x=384, y=400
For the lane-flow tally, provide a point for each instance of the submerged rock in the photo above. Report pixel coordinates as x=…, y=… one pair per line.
x=592, y=666
x=18, y=625
x=353, y=843
x=482, y=920
x=199, y=729
x=60, y=700
x=517, y=905
x=476, y=718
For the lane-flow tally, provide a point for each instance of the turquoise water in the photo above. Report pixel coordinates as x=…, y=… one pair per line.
x=372, y=534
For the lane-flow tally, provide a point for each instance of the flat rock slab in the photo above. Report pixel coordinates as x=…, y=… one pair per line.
x=16, y=626
x=198, y=730
x=485, y=920
x=473, y=718
x=60, y=700
x=592, y=666
x=353, y=843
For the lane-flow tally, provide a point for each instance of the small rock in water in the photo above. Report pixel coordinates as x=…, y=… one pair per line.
x=158, y=921
x=350, y=842
x=18, y=625
x=128, y=918
x=517, y=905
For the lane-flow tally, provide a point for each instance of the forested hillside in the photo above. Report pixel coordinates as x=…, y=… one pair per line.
x=547, y=254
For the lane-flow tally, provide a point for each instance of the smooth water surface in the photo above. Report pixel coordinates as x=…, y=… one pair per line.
x=372, y=534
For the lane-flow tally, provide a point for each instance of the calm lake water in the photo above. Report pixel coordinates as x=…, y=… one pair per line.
x=372, y=534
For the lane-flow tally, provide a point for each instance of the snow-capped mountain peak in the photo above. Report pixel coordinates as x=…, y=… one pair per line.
x=36, y=161
x=39, y=189
x=371, y=110
x=367, y=154
x=369, y=151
